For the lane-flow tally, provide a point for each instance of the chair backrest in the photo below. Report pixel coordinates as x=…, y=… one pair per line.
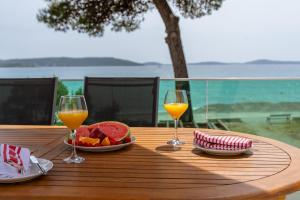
x=27, y=101
x=133, y=101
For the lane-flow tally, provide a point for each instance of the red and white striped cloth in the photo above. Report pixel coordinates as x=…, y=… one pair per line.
x=13, y=159
x=221, y=142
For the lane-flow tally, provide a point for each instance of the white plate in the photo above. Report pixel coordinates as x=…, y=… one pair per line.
x=32, y=172
x=222, y=152
x=103, y=148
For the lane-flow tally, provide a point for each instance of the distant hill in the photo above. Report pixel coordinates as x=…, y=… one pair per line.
x=109, y=61
x=65, y=61
x=256, y=62
x=152, y=63
x=274, y=62
x=209, y=63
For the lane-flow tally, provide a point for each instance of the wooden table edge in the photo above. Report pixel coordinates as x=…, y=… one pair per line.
x=291, y=179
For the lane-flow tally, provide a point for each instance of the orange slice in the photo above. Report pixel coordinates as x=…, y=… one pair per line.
x=90, y=141
x=105, y=141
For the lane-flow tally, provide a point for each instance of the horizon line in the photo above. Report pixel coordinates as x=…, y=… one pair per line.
x=145, y=62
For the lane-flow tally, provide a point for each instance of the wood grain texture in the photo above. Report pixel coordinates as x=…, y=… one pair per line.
x=150, y=169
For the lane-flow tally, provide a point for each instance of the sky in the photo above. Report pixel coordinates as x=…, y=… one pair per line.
x=241, y=30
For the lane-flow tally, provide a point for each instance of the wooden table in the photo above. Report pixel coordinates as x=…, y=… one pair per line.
x=151, y=170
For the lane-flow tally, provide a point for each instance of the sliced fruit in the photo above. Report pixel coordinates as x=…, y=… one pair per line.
x=114, y=142
x=92, y=126
x=115, y=130
x=127, y=139
x=105, y=142
x=82, y=131
x=89, y=141
x=97, y=133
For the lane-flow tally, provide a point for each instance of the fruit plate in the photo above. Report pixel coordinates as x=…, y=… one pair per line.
x=103, y=148
x=222, y=152
x=32, y=173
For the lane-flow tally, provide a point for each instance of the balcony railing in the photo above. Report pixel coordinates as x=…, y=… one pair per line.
x=263, y=106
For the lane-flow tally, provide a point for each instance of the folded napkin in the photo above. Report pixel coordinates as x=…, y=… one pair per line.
x=14, y=161
x=221, y=142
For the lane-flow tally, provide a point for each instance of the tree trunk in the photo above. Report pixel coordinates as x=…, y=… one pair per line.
x=173, y=40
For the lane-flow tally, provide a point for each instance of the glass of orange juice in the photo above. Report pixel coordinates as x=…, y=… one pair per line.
x=176, y=103
x=72, y=112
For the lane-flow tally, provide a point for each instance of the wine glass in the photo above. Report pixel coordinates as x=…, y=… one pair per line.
x=72, y=112
x=176, y=104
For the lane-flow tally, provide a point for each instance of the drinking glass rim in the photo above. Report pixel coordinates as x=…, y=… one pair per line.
x=176, y=90
x=72, y=96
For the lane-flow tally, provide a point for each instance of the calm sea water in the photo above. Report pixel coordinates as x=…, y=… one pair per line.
x=81, y=72
x=228, y=91
x=163, y=71
x=219, y=91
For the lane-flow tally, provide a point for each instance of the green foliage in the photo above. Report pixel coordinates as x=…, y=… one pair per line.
x=61, y=91
x=92, y=16
x=79, y=91
x=197, y=8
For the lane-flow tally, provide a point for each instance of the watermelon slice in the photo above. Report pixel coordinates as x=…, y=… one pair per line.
x=97, y=133
x=114, y=130
x=82, y=131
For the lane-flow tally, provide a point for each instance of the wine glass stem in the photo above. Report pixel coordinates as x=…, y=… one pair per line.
x=176, y=126
x=73, y=132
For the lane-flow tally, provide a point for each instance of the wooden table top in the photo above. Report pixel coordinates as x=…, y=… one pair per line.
x=151, y=170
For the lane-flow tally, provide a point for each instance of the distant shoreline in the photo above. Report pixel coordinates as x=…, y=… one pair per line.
x=110, y=61
x=77, y=66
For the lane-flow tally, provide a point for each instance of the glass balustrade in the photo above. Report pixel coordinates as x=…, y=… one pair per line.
x=267, y=107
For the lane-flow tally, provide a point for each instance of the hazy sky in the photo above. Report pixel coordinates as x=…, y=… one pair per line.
x=241, y=30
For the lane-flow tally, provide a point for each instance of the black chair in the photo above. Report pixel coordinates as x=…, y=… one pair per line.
x=27, y=101
x=129, y=100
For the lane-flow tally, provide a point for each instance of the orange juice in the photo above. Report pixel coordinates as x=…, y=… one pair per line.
x=176, y=109
x=73, y=119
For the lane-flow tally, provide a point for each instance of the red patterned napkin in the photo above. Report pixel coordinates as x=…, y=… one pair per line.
x=13, y=160
x=221, y=142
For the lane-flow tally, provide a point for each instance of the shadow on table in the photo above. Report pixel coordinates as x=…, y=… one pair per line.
x=167, y=148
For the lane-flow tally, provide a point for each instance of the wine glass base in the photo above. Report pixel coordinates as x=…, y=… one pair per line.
x=175, y=142
x=72, y=159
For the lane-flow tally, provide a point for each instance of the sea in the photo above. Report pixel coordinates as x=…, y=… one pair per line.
x=163, y=71
x=210, y=84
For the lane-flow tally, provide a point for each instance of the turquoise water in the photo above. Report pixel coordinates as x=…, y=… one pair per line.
x=202, y=92
x=241, y=91
x=228, y=91
x=73, y=86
